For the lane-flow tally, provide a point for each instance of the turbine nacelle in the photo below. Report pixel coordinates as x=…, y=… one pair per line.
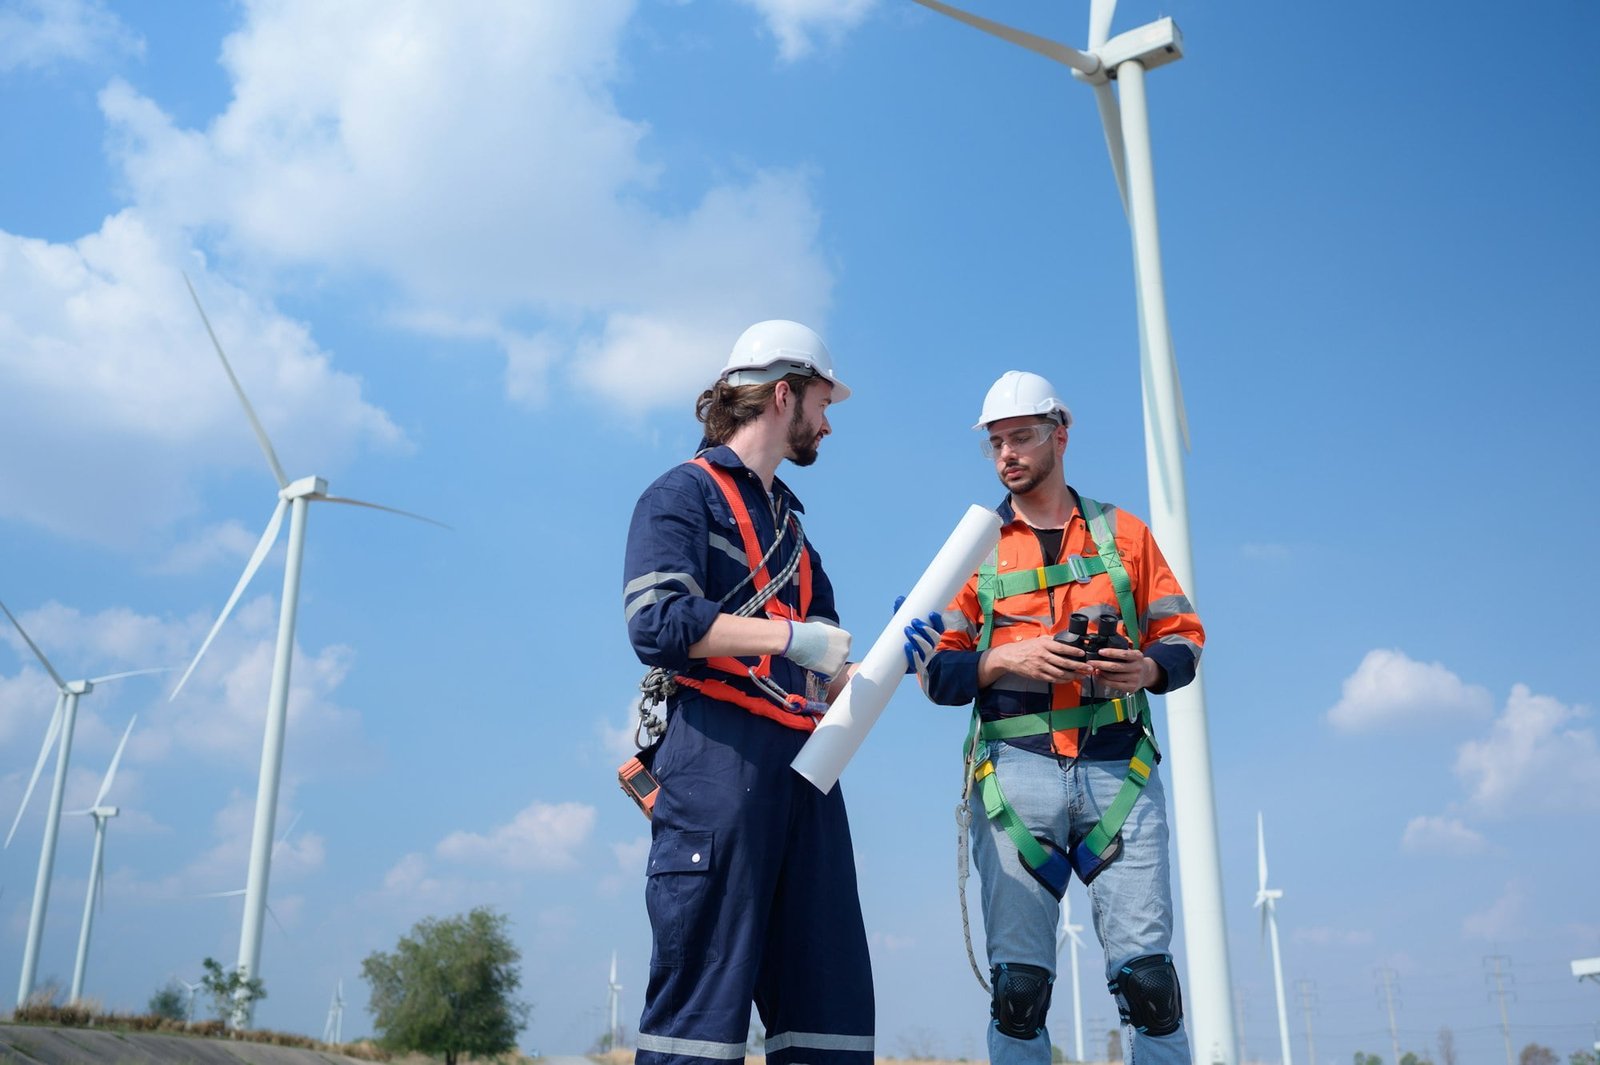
x=311, y=487
x=1154, y=44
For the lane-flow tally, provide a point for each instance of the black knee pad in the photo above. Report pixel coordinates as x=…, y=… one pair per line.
x=1021, y=999
x=1147, y=994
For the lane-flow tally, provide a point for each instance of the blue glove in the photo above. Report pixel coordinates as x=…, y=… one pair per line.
x=922, y=636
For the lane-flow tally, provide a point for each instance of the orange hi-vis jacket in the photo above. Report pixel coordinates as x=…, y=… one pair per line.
x=1169, y=630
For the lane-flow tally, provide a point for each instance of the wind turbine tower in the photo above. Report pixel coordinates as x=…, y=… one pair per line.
x=1267, y=903
x=1067, y=938
x=1124, y=115
x=295, y=497
x=96, y=894
x=613, y=1001
x=63, y=723
x=333, y=1030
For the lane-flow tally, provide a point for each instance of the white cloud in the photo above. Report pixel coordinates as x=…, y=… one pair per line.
x=1537, y=756
x=106, y=368
x=1442, y=836
x=1501, y=920
x=795, y=22
x=475, y=159
x=227, y=541
x=542, y=836
x=1389, y=690
x=1322, y=936
x=41, y=33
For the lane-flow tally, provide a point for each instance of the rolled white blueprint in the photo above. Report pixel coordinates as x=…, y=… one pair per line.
x=844, y=727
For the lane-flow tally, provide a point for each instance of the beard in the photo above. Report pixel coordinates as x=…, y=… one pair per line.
x=1033, y=477
x=802, y=440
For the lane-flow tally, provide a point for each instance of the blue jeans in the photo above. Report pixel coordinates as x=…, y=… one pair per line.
x=1131, y=899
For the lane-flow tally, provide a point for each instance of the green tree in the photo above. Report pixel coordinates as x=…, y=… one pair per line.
x=169, y=1001
x=1583, y=1057
x=1363, y=1058
x=228, y=989
x=1534, y=1054
x=448, y=988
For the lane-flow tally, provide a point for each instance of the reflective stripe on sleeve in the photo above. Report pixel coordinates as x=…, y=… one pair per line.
x=726, y=546
x=1168, y=606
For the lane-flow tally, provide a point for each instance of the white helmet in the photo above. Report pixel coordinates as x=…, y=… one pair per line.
x=769, y=350
x=1018, y=394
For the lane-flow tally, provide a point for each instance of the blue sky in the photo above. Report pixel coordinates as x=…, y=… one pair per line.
x=476, y=263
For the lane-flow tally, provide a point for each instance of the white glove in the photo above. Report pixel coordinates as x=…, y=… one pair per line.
x=818, y=646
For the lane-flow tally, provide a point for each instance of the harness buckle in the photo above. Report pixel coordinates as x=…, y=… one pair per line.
x=1080, y=572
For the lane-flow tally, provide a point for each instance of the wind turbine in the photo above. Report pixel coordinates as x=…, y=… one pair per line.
x=333, y=1030
x=1067, y=935
x=193, y=989
x=1125, y=118
x=613, y=1000
x=97, y=884
x=1267, y=903
x=295, y=497
x=63, y=723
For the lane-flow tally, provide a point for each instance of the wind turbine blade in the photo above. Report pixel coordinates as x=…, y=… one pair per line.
x=379, y=506
x=221, y=894
x=1266, y=912
x=1177, y=394
x=116, y=759
x=1261, y=852
x=48, y=668
x=265, y=545
x=1111, y=122
x=50, y=735
x=284, y=838
x=1100, y=12
x=133, y=673
x=250, y=412
x=1086, y=64
x=277, y=922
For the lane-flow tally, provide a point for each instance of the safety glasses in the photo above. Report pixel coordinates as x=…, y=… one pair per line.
x=1026, y=438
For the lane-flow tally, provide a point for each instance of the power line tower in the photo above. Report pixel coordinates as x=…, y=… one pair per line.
x=1238, y=1021
x=1588, y=969
x=1495, y=961
x=1390, y=978
x=1307, y=990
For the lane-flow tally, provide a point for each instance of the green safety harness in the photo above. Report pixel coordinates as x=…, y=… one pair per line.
x=1089, y=855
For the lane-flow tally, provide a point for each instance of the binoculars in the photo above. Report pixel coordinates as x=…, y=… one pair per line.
x=1092, y=643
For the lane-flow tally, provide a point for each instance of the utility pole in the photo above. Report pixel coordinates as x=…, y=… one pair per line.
x=1388, y=976
x=1308, y=995
x=1496, y=960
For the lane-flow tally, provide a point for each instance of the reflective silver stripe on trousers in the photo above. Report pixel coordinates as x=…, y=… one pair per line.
x=694, y=1048
x=818, y=1041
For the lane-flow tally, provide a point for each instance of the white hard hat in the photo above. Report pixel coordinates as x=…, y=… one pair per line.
x=1018, y=394
x=769, y=350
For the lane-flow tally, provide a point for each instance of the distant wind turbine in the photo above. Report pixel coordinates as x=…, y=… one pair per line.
x=613, y=1000
x=63, y=723
x=333, y=1030
x=96, y=894
x=193, y=989
x=1067, y=937
x=295, y=497
x=1267, y=902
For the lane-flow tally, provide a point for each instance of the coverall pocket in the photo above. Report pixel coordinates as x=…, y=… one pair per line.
x=678, y=890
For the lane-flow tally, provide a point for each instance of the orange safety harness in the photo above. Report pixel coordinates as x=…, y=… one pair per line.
x=786, y=708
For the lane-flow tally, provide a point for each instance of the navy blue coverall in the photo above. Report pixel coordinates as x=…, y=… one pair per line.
x=751, y=886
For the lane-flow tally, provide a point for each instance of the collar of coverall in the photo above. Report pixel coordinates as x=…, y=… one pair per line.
x=724, y=456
